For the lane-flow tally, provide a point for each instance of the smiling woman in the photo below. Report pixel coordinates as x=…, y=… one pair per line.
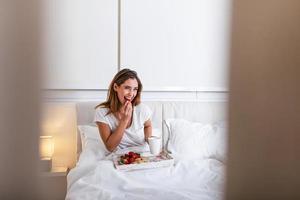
x=127, y=91
x=122, y=120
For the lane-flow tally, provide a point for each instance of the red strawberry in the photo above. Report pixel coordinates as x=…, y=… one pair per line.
x=125, y=161
x=130, y=154
x=131, y=160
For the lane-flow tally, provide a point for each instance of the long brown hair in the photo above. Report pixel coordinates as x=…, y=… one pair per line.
x=112, y=101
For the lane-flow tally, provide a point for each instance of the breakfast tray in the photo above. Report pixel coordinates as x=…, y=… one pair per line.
x=162, y=160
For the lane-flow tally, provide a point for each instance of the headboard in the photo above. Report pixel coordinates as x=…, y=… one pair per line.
x=198, y=111
x=85, y=115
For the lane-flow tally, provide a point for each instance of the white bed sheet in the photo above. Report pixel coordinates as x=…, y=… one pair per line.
x=95, y=177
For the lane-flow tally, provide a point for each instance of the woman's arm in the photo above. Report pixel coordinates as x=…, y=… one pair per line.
x=147, y=129
x=113, y=139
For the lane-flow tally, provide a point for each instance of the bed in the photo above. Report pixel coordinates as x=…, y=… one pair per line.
x=194, y=133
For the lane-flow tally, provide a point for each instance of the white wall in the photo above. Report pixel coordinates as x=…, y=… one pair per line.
x=59, y=121
x=176, y=43
x=79, y=43
x=179, y=48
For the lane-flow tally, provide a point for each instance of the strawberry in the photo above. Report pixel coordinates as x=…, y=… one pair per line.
x=131, y=160
x=130, y=157
x=125, y=161
x=131, y=154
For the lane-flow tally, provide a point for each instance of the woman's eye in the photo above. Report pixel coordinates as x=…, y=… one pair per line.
x=129, y=88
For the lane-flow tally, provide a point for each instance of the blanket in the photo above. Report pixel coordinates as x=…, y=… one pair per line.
x=95, y=177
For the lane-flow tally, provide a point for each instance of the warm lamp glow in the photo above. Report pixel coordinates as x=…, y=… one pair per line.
x=46, y=147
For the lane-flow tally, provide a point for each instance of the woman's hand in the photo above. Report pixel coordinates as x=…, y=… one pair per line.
x=126, y=112
x=111, y=138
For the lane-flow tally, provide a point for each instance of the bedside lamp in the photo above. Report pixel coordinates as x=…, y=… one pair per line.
x=46, y=151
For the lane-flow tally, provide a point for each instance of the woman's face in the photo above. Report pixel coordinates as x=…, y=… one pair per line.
x=127, y=90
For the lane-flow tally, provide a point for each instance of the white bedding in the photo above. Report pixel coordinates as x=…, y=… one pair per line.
x=95, y=177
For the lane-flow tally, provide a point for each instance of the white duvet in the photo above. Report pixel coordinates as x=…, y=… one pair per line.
x=95, y=177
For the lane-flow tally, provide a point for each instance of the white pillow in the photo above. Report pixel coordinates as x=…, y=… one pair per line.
x=217, y=142
x=90, y=135
x=192, y=140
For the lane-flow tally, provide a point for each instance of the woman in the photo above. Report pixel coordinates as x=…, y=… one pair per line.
x=122, y=120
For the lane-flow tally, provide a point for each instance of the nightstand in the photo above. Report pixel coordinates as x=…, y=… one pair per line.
x=54, y=183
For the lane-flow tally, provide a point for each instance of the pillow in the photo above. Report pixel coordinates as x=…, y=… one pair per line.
x=217, y=143
x=89, y=135
x=193, y=140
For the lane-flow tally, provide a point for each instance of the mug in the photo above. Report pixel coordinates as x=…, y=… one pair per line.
x=154, y=144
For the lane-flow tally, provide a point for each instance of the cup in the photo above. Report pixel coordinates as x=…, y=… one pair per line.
x=154, y=144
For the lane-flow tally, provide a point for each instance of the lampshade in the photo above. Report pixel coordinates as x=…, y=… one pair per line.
x=46, y=146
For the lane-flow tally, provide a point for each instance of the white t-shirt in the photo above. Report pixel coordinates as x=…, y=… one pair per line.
x=133, y=135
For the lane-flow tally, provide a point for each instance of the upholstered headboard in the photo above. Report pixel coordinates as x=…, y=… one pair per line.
x=85, y=115
x=198, y=111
